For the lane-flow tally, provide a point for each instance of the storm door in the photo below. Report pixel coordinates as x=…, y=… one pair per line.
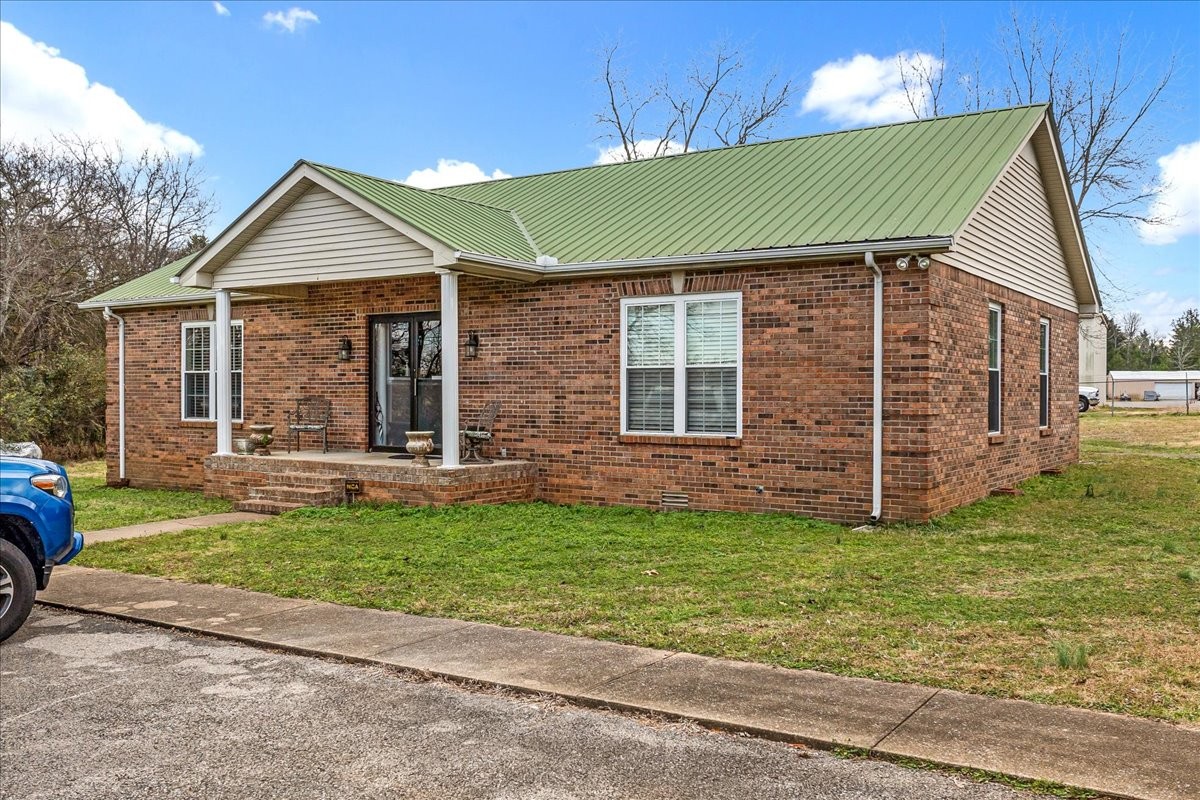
x=406, y=379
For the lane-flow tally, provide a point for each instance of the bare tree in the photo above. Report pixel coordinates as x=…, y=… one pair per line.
x=1102, y=107
x=1102, y=111
x=923, y=80
x=715, y=103
x=75, y=220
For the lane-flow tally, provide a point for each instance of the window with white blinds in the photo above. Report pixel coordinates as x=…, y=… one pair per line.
x=199, y=370
x=681, y=365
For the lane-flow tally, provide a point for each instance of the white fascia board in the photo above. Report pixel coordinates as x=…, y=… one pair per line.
x=174, y=300
x=715, y=260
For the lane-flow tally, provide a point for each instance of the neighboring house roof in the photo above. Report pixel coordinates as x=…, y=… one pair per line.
x=152, y=288
x=915, y=183
x=1160, y=375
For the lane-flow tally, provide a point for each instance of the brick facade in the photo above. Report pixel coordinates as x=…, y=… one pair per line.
x=550, y=352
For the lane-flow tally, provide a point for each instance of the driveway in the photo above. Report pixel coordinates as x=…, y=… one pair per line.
x=97, y=708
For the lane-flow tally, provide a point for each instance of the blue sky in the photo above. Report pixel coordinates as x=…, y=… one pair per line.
x=392, y=89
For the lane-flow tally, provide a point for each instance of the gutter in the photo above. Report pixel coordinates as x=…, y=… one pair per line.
x=146, y=301
x=876, y=392
x=108, y=314
x=550, y=270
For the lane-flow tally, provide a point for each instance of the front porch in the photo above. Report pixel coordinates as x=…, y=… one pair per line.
x=284, y=481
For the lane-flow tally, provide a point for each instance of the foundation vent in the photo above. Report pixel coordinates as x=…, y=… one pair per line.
x=674, y=500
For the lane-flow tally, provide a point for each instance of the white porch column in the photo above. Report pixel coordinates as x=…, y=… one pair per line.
x=222, y=365
x=449, y=310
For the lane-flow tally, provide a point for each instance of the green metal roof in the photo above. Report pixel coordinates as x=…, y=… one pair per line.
x=151, y=286
x=463, y=224
x=907, y=180
x=903, y=181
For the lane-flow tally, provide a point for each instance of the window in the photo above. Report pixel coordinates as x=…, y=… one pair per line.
x=995, y=359
x=1044, y=373
x=681, y=365
x=200, y=370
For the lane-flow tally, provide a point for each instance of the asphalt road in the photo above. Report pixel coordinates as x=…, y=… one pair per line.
x=97, y=708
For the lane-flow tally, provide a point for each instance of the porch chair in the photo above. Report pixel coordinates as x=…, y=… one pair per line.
x=475, y=435
x=310, y=415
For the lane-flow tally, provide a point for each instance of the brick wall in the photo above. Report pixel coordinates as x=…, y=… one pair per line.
x=550, y=353
x=977, y=463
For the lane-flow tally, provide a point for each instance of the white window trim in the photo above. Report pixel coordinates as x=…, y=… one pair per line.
x=680, y=302
x=212, y=369
x=1044, y=369
x=999, y=309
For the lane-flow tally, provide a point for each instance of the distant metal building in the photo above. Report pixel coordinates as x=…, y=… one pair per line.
x=1169, y=384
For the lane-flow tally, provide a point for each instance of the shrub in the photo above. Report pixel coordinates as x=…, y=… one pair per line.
x=58, y=403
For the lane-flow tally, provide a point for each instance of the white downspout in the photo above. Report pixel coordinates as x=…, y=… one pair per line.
x=877, y=394
x=108, y=314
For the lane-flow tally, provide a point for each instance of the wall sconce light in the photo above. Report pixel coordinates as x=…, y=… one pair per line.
x=472, y=345
x=345, y=349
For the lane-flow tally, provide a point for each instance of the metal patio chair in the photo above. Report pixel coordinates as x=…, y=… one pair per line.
x=476, y=435
x=311, y=415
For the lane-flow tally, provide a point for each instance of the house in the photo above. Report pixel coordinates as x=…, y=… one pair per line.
x=869, y=324
x=1093, y=353
x=1170, y=385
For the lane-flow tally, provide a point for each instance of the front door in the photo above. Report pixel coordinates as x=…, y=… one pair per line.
x=406, y=379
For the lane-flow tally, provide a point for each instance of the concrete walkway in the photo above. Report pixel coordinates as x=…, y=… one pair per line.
x=1107, y=753
x=172, y=525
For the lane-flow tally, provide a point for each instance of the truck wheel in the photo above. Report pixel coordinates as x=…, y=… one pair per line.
x=1083, y=404
x=17, y=587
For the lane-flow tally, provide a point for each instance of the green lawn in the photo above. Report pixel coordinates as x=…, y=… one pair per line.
x=987, y=599
x=98, y=506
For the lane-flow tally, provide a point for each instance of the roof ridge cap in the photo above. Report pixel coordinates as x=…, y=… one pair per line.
x=404, y=185
x=443, y=190
x=537, y=251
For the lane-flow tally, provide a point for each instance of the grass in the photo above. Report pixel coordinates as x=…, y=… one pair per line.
x=98, y=506
x=988, y=599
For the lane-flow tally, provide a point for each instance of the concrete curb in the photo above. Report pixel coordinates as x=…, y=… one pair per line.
x=1112, y=754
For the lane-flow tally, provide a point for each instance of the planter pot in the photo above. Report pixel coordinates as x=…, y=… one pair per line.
x=243, y=446
x=420, y=445
x=261, y=437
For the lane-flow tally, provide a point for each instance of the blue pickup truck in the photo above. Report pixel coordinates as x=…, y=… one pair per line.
x=37, y=533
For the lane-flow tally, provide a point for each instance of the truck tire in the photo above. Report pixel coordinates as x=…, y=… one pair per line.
x=17, y=587
x=1084, y=405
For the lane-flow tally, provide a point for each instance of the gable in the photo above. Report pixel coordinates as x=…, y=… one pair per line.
x=1012, y=239
x=321, y=237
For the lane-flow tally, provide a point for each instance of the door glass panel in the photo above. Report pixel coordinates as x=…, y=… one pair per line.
x=400, y=362
x=429, y=364
x=429, y=378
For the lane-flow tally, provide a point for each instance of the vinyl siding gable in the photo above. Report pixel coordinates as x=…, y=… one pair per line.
x=321, y=237
x=1011, y=238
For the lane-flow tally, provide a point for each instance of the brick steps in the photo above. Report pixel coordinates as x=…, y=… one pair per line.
x=266, y=506
x=286, y=491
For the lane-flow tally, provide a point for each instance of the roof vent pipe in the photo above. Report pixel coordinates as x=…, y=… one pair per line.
x=876, y=393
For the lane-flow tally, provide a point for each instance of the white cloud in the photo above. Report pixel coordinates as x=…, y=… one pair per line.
x=220, y=8
x=1177, y=196
x=865, y=90
x=1159, y=309
x=642, y=148
x=451, y=172
x=43, y=94
x=292, y=20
